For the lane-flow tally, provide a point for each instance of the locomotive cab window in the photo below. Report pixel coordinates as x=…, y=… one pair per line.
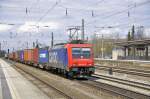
x=81, y=53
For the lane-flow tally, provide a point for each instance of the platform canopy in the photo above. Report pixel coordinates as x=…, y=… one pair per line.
x=134, y=43
x=135, y=49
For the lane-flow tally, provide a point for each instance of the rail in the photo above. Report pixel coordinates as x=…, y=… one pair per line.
x=121, y=92
x=132, y=71
x=122, y=62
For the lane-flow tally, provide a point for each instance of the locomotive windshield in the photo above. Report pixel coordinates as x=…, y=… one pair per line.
x=84, y=53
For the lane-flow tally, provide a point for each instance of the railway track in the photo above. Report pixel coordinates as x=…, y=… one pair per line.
x=39, y=82
x=144, y=73
x=115, y=89
x=50, y=91
x=54, y=82
x=144, y=86
x=121, y=93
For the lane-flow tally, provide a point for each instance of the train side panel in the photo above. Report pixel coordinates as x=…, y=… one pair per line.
x=35, y=56
x=13, y=56
x=43, y=56
x=10, y=56
x=58, y=58
x=21, y=56
x=28, y=56
x=25, y=55
x=16, y=56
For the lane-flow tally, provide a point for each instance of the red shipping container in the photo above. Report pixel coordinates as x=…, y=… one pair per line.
x=16, y=56
x=10, y=55
x=35, y=55
x=13, y=56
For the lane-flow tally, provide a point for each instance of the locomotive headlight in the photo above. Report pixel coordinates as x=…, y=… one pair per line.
x=91, y=69
x=74, y=69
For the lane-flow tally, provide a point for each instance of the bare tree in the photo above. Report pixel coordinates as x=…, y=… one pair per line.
x=140, y=32
x=133, y=33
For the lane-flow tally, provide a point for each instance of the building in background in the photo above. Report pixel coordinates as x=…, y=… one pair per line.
x=117, y=53
x=135, y=49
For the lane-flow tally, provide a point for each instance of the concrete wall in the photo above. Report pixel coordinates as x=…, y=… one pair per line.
x=116, y=53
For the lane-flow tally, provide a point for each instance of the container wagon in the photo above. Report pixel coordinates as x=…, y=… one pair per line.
x=17, y=56
x=13, y=56
x=21, y=56
x=28, y=56
x=10, y=56
x=71, y=60
x=40, y=57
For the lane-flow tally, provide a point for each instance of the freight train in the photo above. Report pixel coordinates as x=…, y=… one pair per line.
x=71, y=60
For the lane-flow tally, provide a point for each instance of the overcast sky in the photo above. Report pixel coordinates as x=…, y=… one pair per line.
x=19, y=19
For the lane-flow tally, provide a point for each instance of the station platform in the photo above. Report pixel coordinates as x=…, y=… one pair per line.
x=14, y=86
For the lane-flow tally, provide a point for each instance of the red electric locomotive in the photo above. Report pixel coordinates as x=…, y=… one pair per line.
x=80, y=59
x=74, y=60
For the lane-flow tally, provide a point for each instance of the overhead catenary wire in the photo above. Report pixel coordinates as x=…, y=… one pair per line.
x=49, y=10
x=122, y=11
x=92, y=11
x=97, y=3
x=95, y=15
x=33, y=5
x=120, y=25
x=71, y=8
x=124, y=24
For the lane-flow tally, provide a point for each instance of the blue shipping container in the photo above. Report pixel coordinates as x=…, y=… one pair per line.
x=21, y=55
x=43, y=56
x=58, y=58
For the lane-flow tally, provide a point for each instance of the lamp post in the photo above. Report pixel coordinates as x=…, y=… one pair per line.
x=102, y=39
x=102, y=44
x=102, y=49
